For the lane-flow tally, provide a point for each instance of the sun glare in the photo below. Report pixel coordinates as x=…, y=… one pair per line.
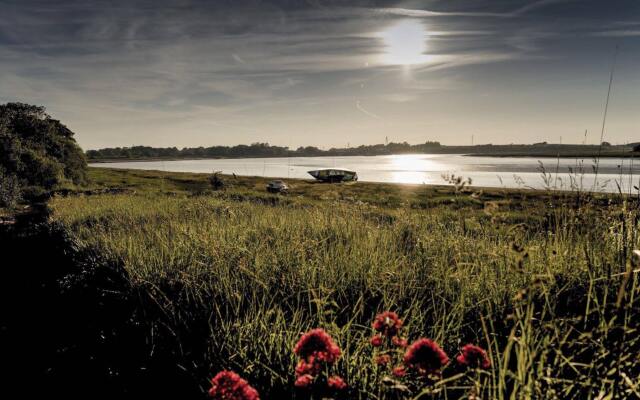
x=411, y=168
x=405, y=43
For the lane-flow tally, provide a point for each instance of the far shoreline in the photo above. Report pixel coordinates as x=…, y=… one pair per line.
x=494, y=155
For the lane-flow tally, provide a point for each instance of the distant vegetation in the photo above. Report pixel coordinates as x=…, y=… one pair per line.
x=253, y=150
x=37, y=153
x=265, y=150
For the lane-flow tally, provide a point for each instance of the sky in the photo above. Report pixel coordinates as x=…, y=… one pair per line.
x=325, y=73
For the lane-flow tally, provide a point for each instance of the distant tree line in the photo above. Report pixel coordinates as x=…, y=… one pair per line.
x=253, y=150
x=429, y=147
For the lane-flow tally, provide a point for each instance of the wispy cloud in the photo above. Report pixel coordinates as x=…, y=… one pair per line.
x=618, y=33
x=407, y=12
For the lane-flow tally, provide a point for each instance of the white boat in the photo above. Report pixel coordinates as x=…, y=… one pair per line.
x=334, y=175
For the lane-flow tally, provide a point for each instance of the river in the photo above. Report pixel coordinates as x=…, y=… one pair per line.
x=509, y=172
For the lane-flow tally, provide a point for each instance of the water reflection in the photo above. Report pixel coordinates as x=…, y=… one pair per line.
x=424, y=168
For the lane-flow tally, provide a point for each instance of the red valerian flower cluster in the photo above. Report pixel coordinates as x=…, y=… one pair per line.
x=377, y=340
x=317, y=346
x=399, y=371
x=426, y=357
x=304, y=381
x=387, y=340
x=383, y=359
x=397, y=341
x=336, y=383
x=227, y=385
x=317, y=351
x=474, y=357
x=387, y=323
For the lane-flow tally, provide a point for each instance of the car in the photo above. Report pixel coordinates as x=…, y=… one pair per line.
x=277, y=187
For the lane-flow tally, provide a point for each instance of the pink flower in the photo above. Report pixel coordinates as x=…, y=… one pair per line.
x=336, y=383
x=388, y=323
x=383, y=359
x=317, y=344
x=397, y=341
x=376, y=341
x=399, y=372
x=426, y=356
x=474, y=356
x=304, y=381
x=227, y=385
x=308, y=367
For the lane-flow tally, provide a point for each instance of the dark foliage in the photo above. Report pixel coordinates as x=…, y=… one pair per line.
x=72, y=323
x=38, y=150
x=10, y=193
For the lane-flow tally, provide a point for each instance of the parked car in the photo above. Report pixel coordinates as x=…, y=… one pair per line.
x=277, y=187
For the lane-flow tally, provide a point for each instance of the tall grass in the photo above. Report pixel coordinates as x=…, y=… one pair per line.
x=548, y=287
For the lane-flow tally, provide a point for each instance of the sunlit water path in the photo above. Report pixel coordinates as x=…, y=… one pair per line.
x=508, y=172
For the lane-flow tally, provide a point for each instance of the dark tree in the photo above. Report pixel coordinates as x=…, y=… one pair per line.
x=37, y=150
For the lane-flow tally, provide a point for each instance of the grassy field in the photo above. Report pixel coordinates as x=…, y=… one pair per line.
x=547, y=283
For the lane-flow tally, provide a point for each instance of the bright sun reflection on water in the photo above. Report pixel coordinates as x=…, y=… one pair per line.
x=405, y=43
x=412, y=168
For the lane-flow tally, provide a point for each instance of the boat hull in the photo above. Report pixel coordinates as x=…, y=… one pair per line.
x=333, y=175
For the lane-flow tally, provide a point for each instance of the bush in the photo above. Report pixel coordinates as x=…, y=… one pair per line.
x=216, y=181
x=38, y=150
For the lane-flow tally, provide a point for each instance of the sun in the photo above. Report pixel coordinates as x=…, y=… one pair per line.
x=405, y=43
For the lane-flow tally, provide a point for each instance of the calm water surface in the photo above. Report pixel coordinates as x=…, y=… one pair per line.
x=565, y=173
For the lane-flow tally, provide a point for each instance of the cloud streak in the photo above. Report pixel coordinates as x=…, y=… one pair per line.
x=406, y=12
x=365, y=111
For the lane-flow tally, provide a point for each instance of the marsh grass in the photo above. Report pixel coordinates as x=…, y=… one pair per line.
x=229, y=279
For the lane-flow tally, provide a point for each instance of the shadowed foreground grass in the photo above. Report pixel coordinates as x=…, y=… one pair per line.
x=546, y=283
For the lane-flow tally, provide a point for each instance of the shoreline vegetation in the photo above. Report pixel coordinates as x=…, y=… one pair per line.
x=392, y=194
x=264, y=150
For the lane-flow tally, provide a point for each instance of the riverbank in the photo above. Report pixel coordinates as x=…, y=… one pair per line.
x=380, y=194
